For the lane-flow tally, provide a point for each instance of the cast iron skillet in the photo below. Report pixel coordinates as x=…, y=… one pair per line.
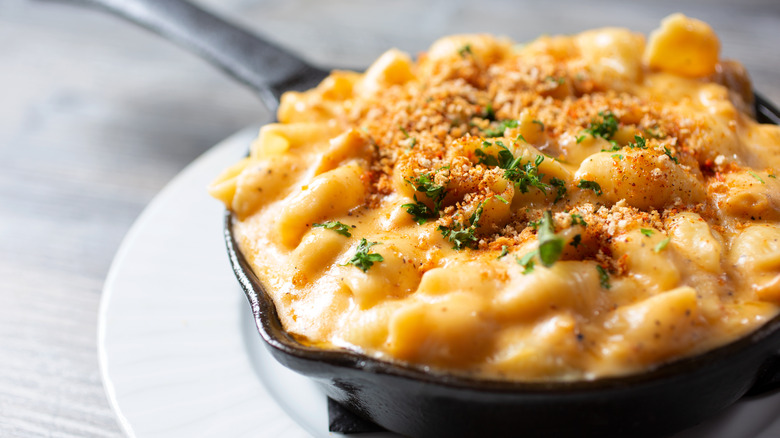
x=413, y=402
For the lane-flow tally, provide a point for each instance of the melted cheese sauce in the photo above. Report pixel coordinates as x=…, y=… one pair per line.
x=578, y=207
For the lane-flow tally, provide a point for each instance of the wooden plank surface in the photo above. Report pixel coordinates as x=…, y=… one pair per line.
x=96, y=116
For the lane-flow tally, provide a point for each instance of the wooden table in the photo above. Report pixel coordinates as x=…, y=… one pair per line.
x=96, y=116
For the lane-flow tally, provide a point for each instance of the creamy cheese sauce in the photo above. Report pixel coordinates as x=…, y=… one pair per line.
x=573, y=208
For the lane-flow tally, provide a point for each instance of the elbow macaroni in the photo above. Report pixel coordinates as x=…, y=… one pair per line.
x=579, y=207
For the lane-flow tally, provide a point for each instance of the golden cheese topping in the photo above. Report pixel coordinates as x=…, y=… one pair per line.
x=572, y=208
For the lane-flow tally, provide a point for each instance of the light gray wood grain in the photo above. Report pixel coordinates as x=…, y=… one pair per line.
x=96, y=116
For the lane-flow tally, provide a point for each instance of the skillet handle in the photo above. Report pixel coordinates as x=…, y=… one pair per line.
x=264, y=67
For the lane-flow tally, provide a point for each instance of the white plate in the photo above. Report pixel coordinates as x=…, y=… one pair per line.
x=179, y=352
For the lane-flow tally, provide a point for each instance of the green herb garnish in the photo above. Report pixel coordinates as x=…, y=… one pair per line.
x=590, y=185
x=364, y=259
x=523, y=175
x=460, y=235
x=420, y=211
x=490, y=114
x=654, y=132
x=754, y=175
x=526, y=174
x=603, y=277
x=661, y=245
x=615, y=147
x=336, y=226
x=576, y=219
x=483, y=158
x=466, y=49
x=668, y=153
x=527, y=262
x=424, y=183
x=560, y=188
x=538, y=122
x=646, y=231
x=412, y=141
x=617, y=156
x=501, y=198
x=605, y=128
x=575, y=242
x=639, y=143
x=502, y=126
x=504, y=251
x=550, y=244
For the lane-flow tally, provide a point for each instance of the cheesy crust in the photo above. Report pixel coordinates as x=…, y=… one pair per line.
x=573, y=208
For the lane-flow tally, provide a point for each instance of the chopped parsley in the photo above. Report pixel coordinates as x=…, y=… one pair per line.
x=490, y=114
x=668, y=153
x=580, y=138
x=460, y=235
x=646, y=231
x=560, y=188
x=527, y=262
x=550, y=244
x=364, y=259
x=525, y=175
x=336, y=226
x=502, y=126
x=590, y=185
x=466, y=49
x=501, y=198
x=654, y=132
x=420, y=211
x=424, y=184
x=661, y=245
x=538, y=122
x=483, y=158
x=754, y=175
x=617, y=157
x=558, y=80
x=412, y=140
x=603, y=277
x=772, y=176
x=504, y=251
x=575, y=242
x=534, y=224
x=489, y=160
x=576, y=219
x=615, y=147
x=605, y=128
x=639, y=143
x=505, y=157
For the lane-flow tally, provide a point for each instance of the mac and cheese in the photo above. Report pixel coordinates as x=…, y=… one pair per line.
x=572, y=208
